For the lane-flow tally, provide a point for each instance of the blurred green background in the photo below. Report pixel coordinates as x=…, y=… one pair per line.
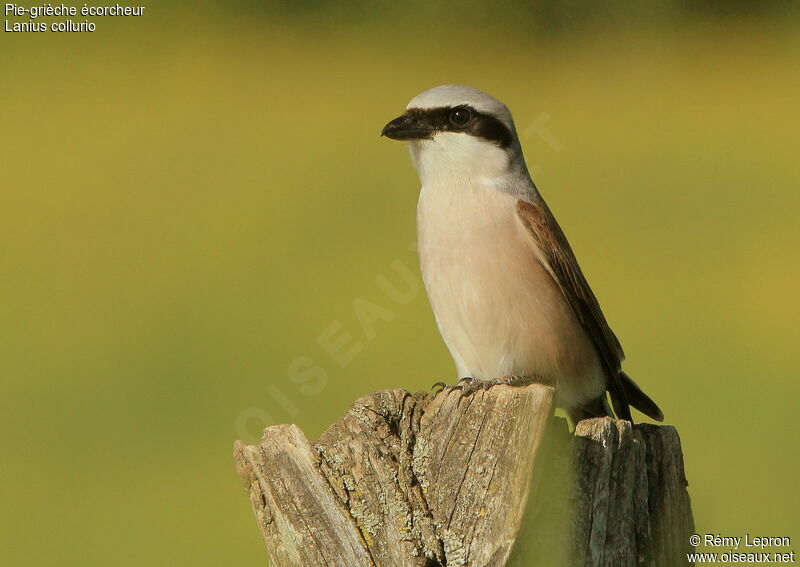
x=192, y=198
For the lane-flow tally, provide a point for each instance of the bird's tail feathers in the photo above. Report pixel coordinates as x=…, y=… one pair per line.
x=638, y=399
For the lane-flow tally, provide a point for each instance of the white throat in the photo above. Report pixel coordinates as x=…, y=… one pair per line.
x=449, y=156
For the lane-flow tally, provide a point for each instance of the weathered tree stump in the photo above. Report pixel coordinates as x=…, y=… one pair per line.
x=422, y=480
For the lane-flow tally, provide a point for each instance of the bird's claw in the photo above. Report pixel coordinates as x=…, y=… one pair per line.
x=472, y=385
x=469, y=385
x=440, y=386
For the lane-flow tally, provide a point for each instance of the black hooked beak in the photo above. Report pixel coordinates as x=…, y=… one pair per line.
x=407, y=127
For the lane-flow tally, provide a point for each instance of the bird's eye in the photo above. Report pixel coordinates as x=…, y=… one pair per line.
x=460, y=116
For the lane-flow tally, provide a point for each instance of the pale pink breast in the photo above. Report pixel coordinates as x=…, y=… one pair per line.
x=497, y=308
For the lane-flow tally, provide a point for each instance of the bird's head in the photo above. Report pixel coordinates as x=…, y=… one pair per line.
x=457, y=131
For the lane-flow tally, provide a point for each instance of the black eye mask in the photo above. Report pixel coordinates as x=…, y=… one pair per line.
x=423, y=123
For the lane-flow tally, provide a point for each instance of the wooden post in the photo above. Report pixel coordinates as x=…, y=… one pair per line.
x=424, y=481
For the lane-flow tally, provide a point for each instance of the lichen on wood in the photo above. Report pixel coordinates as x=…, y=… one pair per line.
x=423, y=480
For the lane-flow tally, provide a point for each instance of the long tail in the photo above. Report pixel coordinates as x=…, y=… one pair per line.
x=639, y=399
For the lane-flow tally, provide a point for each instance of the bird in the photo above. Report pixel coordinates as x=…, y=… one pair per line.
x=507, y=293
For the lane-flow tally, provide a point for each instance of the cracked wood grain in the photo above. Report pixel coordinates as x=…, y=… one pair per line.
x=446, y=480
x=302, y=521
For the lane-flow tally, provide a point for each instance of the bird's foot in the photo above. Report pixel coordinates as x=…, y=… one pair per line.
x=441, y=386
x=469, y=385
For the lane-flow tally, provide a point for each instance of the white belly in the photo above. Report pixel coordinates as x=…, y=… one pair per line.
x=498, y=310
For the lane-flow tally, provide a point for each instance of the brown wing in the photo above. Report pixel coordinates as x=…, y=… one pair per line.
x=556, y=255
